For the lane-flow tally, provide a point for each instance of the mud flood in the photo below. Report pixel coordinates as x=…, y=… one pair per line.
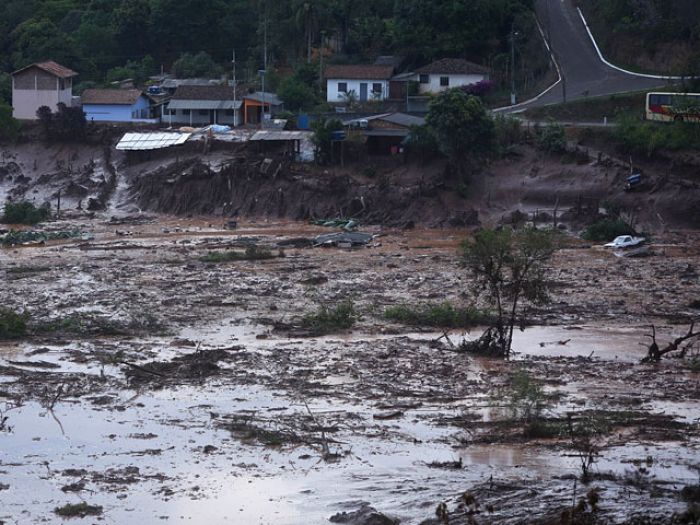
x=154, y=386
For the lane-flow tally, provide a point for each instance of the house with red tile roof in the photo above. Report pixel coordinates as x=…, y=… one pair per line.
x=41, y=84
x=363, y=82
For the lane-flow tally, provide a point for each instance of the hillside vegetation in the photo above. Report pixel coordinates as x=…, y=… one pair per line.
x=107, y=40
x=655, y=35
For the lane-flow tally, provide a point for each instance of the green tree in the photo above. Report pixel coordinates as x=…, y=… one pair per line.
x=508, y=267
x=323, y=138
x=200, y=65
x=464, y=131
x=296, y=95
x=5, y=88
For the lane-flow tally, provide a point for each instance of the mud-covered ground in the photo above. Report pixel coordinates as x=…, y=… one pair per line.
x=154, y=386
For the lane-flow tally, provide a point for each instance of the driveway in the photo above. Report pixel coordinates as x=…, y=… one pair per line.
x=583, y=73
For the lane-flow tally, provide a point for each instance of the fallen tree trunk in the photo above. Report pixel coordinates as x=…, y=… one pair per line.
x=654, y=353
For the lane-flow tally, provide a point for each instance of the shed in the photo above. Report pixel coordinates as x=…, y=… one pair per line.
x=196, y=105
x=259, y=103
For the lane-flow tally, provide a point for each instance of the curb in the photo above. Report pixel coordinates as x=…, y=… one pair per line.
x=536, y=98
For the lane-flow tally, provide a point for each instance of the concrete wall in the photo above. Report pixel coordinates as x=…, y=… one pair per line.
x=333, y=95
x=433, y=86
x=34, y=88
x=139, y=112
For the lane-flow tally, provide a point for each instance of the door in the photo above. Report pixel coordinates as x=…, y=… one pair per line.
x=363, y=92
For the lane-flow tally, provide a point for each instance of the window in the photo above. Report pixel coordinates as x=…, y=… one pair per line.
x=203, y=112
x=168, y=111
x=230, y=113
x=444, y=81
x=185, y=111
x=61, y=84
x=425, y=79
x=342, y=87
x=377, y=88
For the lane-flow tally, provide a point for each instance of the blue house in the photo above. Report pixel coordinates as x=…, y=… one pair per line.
x=116, y=105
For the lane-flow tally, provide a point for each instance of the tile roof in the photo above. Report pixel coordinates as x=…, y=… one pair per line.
x=270, y=98
x=126, y=97
x=51, y=67
x=360, y=72
x=455, y=66
x=185, y=92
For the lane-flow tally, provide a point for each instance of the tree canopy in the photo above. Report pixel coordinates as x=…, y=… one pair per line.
x=100, y=35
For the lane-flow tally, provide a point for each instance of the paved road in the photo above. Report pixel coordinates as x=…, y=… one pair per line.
x=583, y=73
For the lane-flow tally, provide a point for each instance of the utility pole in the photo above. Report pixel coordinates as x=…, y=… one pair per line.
x=262, y=114
x=320, y=73
x=233, y=62
x=265, y=39
x=512, y=64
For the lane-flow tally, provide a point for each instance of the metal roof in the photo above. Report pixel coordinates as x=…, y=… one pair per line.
x=204, y=104
x=386, y=133
x=151, y=141
x=279, y=135
x=269, y=98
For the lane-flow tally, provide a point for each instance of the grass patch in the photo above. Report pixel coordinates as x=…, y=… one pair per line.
x=327, y=320
x=84, y=325
x=607, y=230
x=78, y=510
x=544, y=429
x=24, y=213
x=592, y=109
x=251, y=253
x=648, y=137
x=12, y=324
x=442, y=315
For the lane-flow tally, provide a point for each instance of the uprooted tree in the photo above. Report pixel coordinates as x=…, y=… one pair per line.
x=682, y=343
x=508, y=267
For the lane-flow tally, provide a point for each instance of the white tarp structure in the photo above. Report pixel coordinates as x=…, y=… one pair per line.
x=151, y=141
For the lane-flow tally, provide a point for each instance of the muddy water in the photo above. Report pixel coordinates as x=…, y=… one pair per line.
x=402, y=409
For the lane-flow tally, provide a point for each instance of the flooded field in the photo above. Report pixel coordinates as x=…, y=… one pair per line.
x=156, y=387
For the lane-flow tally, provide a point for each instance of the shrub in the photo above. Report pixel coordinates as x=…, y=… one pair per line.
x=78, y=510
x=9, y=127
x=551, y=138
x=25, y=213
x=327, y=320
x=525, y=397
x=648, y=137
x=443, y=315
x=607, y=229
x=12, y=324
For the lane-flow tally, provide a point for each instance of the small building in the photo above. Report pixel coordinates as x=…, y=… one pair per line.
x=116, y=105
x=367, y=82
x=41, y=84
x=385, y=133
x=449, y=73
x=261, y=106
x=203, y=105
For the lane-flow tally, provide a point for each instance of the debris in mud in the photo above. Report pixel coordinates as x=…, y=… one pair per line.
x=13, y=238
x=78, y=510
x=251, y=253
x=343, y=239
x=365, y=515
x=197, y=365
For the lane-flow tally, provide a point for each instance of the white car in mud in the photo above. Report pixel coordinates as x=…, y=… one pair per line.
x=625, y=241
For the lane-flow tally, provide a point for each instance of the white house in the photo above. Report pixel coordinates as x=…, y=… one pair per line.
x=41, y=84
x=449, y=73
x=367, y=82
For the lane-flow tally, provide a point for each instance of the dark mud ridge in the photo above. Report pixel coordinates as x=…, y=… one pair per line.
x=239, y=188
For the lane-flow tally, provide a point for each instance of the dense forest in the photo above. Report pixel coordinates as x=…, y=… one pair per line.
x=111, y=39
x=650, y=34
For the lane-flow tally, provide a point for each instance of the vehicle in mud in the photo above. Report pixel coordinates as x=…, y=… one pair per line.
x=625, y=241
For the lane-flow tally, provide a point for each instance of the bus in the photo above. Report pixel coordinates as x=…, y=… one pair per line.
x=673, y=107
